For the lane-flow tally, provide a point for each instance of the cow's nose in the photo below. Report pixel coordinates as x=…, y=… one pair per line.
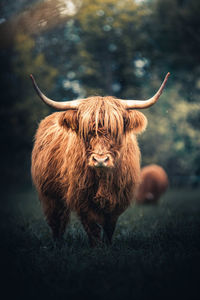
x=100, y=161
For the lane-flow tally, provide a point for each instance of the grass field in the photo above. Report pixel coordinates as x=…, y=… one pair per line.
x=155, y=252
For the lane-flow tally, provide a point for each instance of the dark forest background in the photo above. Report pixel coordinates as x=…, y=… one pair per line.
x=123, y=48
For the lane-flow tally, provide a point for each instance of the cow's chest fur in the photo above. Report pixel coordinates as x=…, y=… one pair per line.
x=103, y=196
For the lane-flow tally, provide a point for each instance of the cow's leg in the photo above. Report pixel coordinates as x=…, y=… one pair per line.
x=57, y=216
x=93, y=229
x=58, y=221
x=109, y=227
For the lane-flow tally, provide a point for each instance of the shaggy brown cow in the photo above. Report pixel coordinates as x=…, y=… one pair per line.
x=87, y=159
x=154, y=182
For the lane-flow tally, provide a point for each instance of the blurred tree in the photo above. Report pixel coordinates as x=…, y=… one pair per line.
x=173, y=30
x=107, y=48
x=20, y=111
x=101, y=47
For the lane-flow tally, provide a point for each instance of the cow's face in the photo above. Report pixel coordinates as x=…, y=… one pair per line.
x=103, y=125
x=102, y=150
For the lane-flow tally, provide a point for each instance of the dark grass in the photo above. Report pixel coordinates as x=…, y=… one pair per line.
x=155, y=253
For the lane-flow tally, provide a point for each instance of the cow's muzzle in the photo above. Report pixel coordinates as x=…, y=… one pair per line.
x=101, y=161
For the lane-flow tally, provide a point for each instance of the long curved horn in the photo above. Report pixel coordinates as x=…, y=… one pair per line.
x=131, y=104
x=57, y=105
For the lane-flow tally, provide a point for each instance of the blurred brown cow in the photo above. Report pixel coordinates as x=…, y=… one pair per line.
x=154, y=182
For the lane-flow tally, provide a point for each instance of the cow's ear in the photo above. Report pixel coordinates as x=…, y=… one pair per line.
x=69, y=119
x=135, y=121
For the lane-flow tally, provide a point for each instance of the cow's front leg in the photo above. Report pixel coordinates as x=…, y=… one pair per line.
x=109, y=227
x=57, y=216
x=93, y=228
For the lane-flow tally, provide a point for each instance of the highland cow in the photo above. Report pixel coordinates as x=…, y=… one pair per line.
x=154, y=182
x=86, y=159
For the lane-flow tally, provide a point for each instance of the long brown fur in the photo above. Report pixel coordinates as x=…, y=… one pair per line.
x=154, y=182
x=62, y=171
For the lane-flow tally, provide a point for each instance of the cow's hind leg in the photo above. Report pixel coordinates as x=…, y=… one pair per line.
x=57, y=216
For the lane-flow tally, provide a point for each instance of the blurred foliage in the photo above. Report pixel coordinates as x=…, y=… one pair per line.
x=21, y=110
x=25, y=62
x=111, y=47
x=171, y=139
x=174, y=41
